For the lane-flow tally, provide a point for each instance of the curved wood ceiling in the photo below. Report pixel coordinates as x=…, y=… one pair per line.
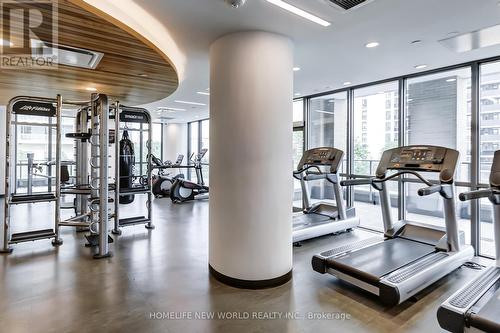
x=130, y=71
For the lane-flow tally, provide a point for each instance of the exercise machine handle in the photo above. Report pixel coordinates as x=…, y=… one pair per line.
x=429, y=190
x=466, y=196
x=354, y=182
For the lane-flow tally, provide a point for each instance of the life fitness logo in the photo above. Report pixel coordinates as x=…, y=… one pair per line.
x=29, y=34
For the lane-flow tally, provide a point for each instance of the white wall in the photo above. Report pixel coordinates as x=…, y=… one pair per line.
x=175, y=141
x=2, y=149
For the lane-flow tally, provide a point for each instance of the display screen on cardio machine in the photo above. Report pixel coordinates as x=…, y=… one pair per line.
x=322, y=156
x=418, y=157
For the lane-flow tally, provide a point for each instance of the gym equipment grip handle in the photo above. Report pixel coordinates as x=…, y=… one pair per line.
x=466, y=196
x=429, y=190
x=354, y=182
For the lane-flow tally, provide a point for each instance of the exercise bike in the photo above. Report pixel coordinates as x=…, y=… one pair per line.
x=162, y=182
x=184, y=190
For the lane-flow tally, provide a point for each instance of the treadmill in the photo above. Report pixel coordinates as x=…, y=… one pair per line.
x=476, y=307
x=321, y=218
x=412, y=255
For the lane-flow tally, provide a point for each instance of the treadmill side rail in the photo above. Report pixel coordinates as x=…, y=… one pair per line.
x=407, y=281
x=452, y=313
x=313, y=230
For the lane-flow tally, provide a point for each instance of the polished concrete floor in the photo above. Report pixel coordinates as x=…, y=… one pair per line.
x=164, y=273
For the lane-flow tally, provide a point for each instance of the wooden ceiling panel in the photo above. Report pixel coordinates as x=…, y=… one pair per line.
x=130, y=71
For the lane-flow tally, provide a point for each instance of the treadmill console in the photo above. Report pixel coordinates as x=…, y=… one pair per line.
x=325, y=156
x=426, y=158
x=420, y=158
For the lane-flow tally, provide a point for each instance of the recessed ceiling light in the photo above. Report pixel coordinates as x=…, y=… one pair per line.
x=170, y=109
x=451, y=80
x=347, y=83
x=372, y=45
x=298, y=94
x=296, y=69
x=203, y=93
x=91, y=89
x=299, y=12
x=4, y=42
x=422, y=66
x=190, y=103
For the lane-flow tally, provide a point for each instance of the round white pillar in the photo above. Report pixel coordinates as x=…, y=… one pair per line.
x=251, y=188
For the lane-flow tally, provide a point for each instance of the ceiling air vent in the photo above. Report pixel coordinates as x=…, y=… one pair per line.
x=348, y=4
x=67, y=55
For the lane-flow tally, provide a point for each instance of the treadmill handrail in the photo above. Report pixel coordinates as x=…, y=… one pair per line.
x=477, y=194
x=375, y=180
x=297, y=174
x=429, y=190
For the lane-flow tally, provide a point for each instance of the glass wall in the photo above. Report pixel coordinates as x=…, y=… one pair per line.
x=205, y=143
x=489, y=142
x=376, y=129
x=298, y=145
x=157, y=142
x=327, y=127
x=449, y=107
x=193, y=146
x=199, y=138
x=37, y=136
x=438, y=112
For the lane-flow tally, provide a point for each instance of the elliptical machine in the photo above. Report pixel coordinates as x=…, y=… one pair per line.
x=184, y=190
x=162, y=182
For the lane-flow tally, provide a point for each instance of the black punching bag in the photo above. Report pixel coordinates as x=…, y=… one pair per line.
x=127, y=162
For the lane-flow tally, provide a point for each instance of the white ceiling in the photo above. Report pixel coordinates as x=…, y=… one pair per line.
x=327, y=56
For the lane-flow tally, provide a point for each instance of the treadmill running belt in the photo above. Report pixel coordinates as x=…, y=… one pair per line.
x=488, y=318
x=373, y=262
x=305, y=220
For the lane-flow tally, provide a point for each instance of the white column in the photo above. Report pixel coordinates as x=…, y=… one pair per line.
x=251, y=92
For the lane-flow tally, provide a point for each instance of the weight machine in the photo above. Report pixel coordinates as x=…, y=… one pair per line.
x=97, y=190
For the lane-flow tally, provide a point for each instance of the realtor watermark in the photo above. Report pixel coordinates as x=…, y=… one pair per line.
x=247, y=315
x=29, y=36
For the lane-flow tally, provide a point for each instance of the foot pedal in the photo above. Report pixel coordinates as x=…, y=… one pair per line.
x=133, y=221
x=93, y=240
x=32, y=236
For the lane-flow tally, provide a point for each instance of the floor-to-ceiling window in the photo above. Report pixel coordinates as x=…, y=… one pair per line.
x=438, y=112
x=375, y=129
x=157, y=140
x=489, y=142
x=37, y=136
x=198, y=139
x=193, y=145
x=297, y=144
x=456, y=107
x=327, y=127
x=204, y=144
